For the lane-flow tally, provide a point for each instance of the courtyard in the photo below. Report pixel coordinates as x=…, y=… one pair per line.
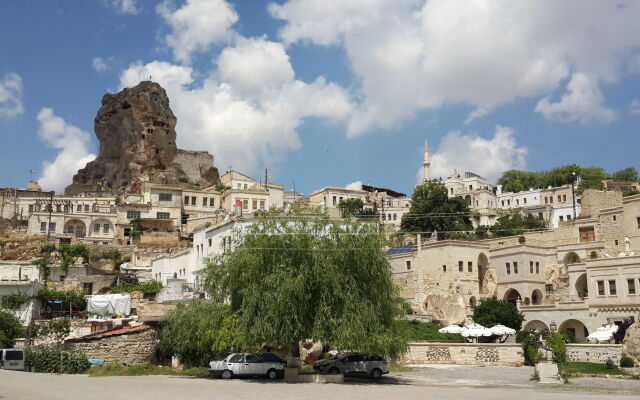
x=436, y=382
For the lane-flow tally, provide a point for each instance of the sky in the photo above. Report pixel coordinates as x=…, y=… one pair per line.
x=329, y=92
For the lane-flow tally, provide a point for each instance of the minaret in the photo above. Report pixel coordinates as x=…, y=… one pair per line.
x=425, y=163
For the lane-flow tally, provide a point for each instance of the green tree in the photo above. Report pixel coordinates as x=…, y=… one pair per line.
x=559, y=176
x=591, y=178
x=10, y=328
x=311, y=278
x=514, y=224
x=432, y=210
x=518, y=181
x=557, y=342
x=625, y=175
x=493, y=311
x=199, y=332
x=355, y=208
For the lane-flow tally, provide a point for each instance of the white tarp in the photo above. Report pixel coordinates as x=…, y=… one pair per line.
x=113, y=304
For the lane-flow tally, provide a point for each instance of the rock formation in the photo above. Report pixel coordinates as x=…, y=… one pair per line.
x=136, y=131
x=631, y=343
x=448, y=308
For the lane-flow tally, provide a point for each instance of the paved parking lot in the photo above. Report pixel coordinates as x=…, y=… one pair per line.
x=434, y=383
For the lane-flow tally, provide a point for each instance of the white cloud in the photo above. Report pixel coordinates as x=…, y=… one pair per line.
x=583, y=102
x=11, y=96
x=412, y=55
x=470, y=152
x=124, y=6
x=101, y=64
x=73, y=144
x=357, y=185
x=634, y=107
x=245, y=112
x=197, y=25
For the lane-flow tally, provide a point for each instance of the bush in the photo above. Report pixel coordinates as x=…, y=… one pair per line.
x=147, y=288
x=415, y=330
x=609, y=364
x=47, y=359
x=558, y=345
x=530, y=343
x=492, y=311
x=10, y=328
x=627, y=362
x=14, y=301
x=68, y=297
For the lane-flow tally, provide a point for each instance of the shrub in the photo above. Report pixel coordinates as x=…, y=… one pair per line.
x=530, y=344
x=558, y=345
x=522, y=240
x=10, y=328
x=415, y=330
x=609, y=363
x=147, y=288
x=527, y=301
x=593, y=255
x=627, y=362
x=47, y=359
x=493, y=311
x=68, y=297
x=14, y=301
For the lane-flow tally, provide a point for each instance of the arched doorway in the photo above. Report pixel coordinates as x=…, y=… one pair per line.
x=75, y=227
x=512, y=296
x=535, y=324
x=483, y=261
x=578, y=329
x=581, y=286
x=467, y=198
x=571, y=258
x=536, y=297
x=473, y=302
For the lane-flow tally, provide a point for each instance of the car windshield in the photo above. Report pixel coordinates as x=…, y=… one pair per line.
x=234, y=358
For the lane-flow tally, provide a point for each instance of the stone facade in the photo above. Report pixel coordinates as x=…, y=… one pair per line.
x=485, y=354
x=138, y=347
x=594, y=353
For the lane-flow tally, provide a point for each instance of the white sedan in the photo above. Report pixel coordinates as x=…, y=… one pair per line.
x=244, y=364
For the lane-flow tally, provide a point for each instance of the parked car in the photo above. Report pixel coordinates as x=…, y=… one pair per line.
x=12, y=359
x=354, y=364
x=244, y=364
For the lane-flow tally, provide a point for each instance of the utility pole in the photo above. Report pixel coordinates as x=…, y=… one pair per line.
x=266, y=178
x=573, y=193
x=50, y=211
x=294, y=190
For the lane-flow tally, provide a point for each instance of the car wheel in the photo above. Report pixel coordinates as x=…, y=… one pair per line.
x=376, y=374
x=272, y=374
x=334, y=370
x=226, y=374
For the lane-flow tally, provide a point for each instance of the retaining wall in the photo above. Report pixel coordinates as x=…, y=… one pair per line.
x=597, y=353
x=463, y=354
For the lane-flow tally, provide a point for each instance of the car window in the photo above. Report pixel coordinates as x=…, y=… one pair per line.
x=236, y=358
x=13, y=355
x=269, y=357
x=251, y=358
x=375, y=358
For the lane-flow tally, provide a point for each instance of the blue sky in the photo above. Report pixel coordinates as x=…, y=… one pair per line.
x=326, y=93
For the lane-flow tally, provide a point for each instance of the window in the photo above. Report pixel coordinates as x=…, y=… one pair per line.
x=254, y=205
x=384, y=217
x=540, y=215
x=631, y=285
x=164, y=196
x=96, y=228
x=70, y=229
x=550, y=199
x=460, y=266
x=43, y=226
x=210, y=241
x=162, y=215
x=262, y=204
x=537, y=267
x=245, y=204
x=600, y=288
x=561, y=218
x=133, y=214
x=205, y=201
x=470, y=266
x=105, y=228
x=245, y=186
x=587, y=234
x=564, y=197
x=531, y=267
x=559, y=198
x=212, y=202
x=193, y=200
x=186, y=200
x=508, y=268
x=470, y=187
x=546, y=200
x=616, y=242
x=335, y=200
x=30, y=208
x=52, y=227
x=612, y=288
x=515, y=267
x=408, y=265
x=614, y=217
x=548, y=288
x=568, y=217
x=395, y=216
x=444, y=268
x=86, y=208
x=58, y=208
x=79, y=207
x=239, y=185
x=517, y=202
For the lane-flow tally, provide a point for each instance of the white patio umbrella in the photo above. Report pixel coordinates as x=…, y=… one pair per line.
x=474, y=330
x=452, y=329
x=600, y=336
x=502, y=330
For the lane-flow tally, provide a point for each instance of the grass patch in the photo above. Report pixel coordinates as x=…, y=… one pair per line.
x=400, y=368
x=145, y=369
x=592, y=368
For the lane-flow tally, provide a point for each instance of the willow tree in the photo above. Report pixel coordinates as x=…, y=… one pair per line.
x=292, y=279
